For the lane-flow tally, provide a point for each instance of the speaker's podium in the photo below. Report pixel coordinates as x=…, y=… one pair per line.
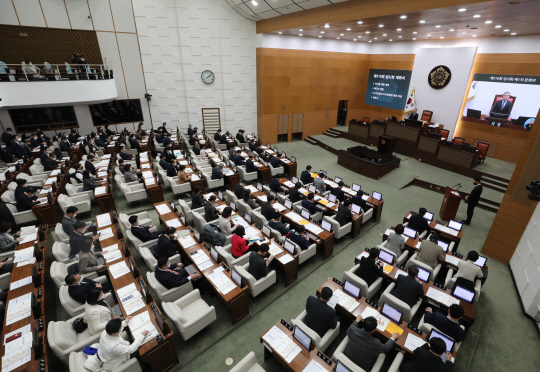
x=387, y=144
x=450, y=204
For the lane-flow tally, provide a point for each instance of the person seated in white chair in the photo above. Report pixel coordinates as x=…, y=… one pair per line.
x=97, y=311
x=320, y=317
x=259, y=261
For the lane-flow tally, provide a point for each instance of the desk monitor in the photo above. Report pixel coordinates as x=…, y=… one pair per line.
x=338, y=179
x=340, y=367
x=183, y=219
x=54, y=187
x=302, y=338
x=37, y=344
x=305, y=214
x=386, y=257
x=447, y=340
x=294, y=180
x=144, y=291
x=356, y=209
x=355, y=187
x=411, y=233
x=377, y=196
x=233, y=206
x=474, y=114
x=326, y=225
x=288, y=204
x=323, y=172
x=159, y=318
x=36, y=278
x=49, y=198
x=392, y=313
x=236, y=277
x=293, y=159
x=247, y=217
x=481, y=261
x=351, y=289
x=312, y=189
x=196, y=236
x=41, y=233
x=259, y=186
x=173, y=206
x=214, y=254
x=266, y=231
x=37, y=253
x=428, y=216
x=7, y=175
x=289, y=246
x=423, y=275
x=442, y=244
x=332, y=198
x=220, y=195
x=464, y=294
x=283, y=154
x=275, y=150
x=455, y=225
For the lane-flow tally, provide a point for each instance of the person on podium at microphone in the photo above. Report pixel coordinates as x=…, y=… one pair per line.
x=472, y=199
x=413, y=115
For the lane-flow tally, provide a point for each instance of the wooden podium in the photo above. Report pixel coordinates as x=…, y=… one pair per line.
x=449, y=205
x=387, y=144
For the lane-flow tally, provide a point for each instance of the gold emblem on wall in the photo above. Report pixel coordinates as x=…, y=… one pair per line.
x=437, y=188
x=439, y=77
x=383, y=142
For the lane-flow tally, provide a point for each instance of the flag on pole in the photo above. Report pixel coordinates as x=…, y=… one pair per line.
x=411, y=103
x=472, y=91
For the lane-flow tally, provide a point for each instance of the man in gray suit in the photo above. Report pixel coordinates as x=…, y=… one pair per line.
x=69, y=221
x=319, y=183
x=363, y=349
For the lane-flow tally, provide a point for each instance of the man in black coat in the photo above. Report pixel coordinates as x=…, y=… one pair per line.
x=73, y=136
x=238, y=160
x=217, y=172
x=320, y=317
x=223, y=139
x=274, y=161
x=277, y=225
x=369, y=270
x=238, y=191
x=418, y=222
x=167, y=244
x=294, y=194
x=258, y=262
x=251, y=145
x=309, y=204
x=78, y=239
x=190, y=130
x=26, y=201
x=18, y=149
x=473, y=198
x=210, y=213
x=300, y=237
x=407, y=288
x=88, y=164
x=197, y=200
x=79, y=287
x=344, y=214
x=142, y=233
x=338, y=192
x=7, y=136
x=266, y=208
x=275, y=185
x=240, y=136
x=134, y=143
x=171, y=276
x=217, y=135
x=250, y=167
x=427, y=358
x=305, y=177
x=449, y=325
x=65, y=146
x=359, y=201
x=51, y=163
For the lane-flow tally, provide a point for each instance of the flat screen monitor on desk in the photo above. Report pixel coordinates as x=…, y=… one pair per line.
x=376, y=196
x=323, y=172
x=392, y=313
x=305, y=214
x=428, y=216
x=455, y=225
x=236, y=278
x=302, y=338
x=312, y=189
x=214, y=254
x=259, y=186
x=332, y=198
x=338, y=179
x=266, y=231
x=355, y=187
x=386, y=257
x=293, y=159
x=447, y=340
x=351, y=289
x=233, y=206
x=340, y=367
x=288, y=204
x=463, y=294
x=474, y=114
x=356, y=209
x=294, y=180
x=423, y=275
x=326, y=226
x=159, y=318
x=247, y=217
x=289, y=246
x=442, y=244
x=411, y=233
x=481, y=261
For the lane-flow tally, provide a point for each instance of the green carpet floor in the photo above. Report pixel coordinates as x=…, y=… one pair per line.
x=501, y=339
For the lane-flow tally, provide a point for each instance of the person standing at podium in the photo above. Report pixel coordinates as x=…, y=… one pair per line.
x=472, y=199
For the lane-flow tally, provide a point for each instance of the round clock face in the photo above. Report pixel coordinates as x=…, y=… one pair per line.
x=207, y=77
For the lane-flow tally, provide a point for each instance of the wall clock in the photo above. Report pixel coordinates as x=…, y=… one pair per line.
x=207, y=77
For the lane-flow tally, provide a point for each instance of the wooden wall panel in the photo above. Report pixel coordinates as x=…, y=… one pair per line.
x=53, y=45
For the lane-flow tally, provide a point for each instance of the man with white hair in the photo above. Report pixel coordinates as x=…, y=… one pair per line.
x=503, y=107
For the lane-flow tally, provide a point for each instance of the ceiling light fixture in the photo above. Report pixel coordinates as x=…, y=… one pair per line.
x=462, y=10
x=375, y=38
x=320, y=36
x=452, y=29
x=280, y=32
x=498, y=26
x=513, y=33
x=254, y=3
x=474, y=36
x=414, y=32
x=341, y=34
x=476, y=16
x=464, y=33
x=390, y=40
x=367, y=32
x=322, y=32
x=399, y=29
x=506, y=30
x=438, y=26
x=383, y=34
x=359, y=22
x=441, y=37
x=326, y=25
x=403, y=17
x=370, y=41
x=422, y=21
x=354, y=39
x=488, y=22
x=301, y=35
x=337, y=38
x=414, y=38
x=348, y=29
x=400, y=36
x=300, y=30
x=381, y=25
x=428, y=35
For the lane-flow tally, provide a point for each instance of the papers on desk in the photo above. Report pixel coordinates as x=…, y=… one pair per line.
x=42, y=200
x=400, y=272
x=441, y=297
x=147, y=174
x=314, y=228
x=30, y=261
x=251, y=233
x=451, y=259
x=188, y=170
x=294, y=216
x=195, y=178
x=103, y=220
x=100, y=190
x=289, y=184
x=221, y=281
x=344, y=300
x=145, y=166
x=183, y=162
x=141, y=322
x=282, y=344
x=237, y=220
x=149, y=181
x=227, y=172
x=285, y=160
x=17, y=358
x=186, y=241
x=207, y=196
x=264, y=198
x=18, y=309
x=285, y=259
x=280, y=207
x=20, y=283
x=50, y=181
x=112, y=256
x=383, y=321
x=23, y=254
x=201, y=259
x=109, y=249
x=257, y=164
x=30, y=237
x=102, y=174
x=119, y=269
x=108, y=156
x=175, y=222
x=275, y=249
x=221, y=207
x=388, y=231
x=54, y=172
x=45, y=191
x=130, y=298
x=412, y=342
x=301, y=190
x=314, y=366
x=251, y=188
x=105, y=234
x=446, y=229
x=163, y=209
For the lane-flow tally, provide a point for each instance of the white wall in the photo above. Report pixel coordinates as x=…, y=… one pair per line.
x=180, y=39
x=525, y=265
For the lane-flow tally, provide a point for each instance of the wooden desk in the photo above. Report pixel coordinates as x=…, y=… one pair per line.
x=435, y=226
x=155, y=188
x=364, y=161
x=300, y=362
x=233, y=179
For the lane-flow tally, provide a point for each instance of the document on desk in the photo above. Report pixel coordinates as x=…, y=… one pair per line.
x=280, y=207
x=163, y=209
x=314, y=228
x=100, y=190
x=30, y=261
x=103, y=220
x=16, y=359
x=102, y=174
x=145, y=166
x=221, y=207
x=188, y=170
x=289, y=184
x=175, y=222
x=314, y=366
x=251, y=233
x=105, y=234
x=29, y=238
x=18, y=309
x=28, y=230
x=119, y=269
x=346, y=301
x=228, y=172
x=451, y=259
x=23, y=254
x=149, y=181
x=293, y=216
x=240, y=221
x=109, y=249
x=264, y=198
x=400, y=272
x=22, y=343
x=285, y=259
x=44, y=191
x=441, y=297
x=186, y=241
x=50, y=181
x=20, y=283
x=275, y=249
x=383, y=321
x=142, y=322
x=222, y=282
x=388, y=268
x=195, y=178
x=302, y=190
x=388, y=231
x=147, y=174
x=112, y=256
x=412, y=342
x=363, y=254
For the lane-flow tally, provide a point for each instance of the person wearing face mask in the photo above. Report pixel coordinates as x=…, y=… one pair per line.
x=473, y=198
x=35, y=141
x=69, y=220
x=78, y=239
x=22, y=184
x=26, y=201
x=88, y=260
x=18, y=148
x=97, y=312
x=8, y=241
x=7, y=136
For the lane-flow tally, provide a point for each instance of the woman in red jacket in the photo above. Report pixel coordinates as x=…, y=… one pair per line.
x=239, y=245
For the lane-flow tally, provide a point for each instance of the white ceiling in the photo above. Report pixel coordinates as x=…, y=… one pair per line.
x=273, y=8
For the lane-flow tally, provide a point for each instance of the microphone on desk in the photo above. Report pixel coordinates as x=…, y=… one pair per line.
x=457, y=186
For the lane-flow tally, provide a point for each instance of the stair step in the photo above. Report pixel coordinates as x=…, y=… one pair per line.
x=330, y=135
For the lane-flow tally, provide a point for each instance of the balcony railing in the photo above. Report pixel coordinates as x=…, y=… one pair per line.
x=53, y=72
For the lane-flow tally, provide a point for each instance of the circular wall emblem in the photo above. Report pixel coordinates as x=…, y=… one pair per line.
x=383, y=142
x=229, y=361
x=439, y=77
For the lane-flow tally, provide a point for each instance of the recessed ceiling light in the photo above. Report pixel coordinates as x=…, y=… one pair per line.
x=488, y=21
x=414, y=38
x=463, y=33
x=370, y=41
x=337, y=38
x=498, y=26
x=359, y=37
x=326, y=25
x=422, y=21
x=320, y=36
x=383, y=34
x=280, y=32
x=348, y=29
x=452, y=29
x=399, y=29
x=414, y=32
x=254, y=3
x=375, y=38
x=438, y=26
x=322, y=32
x=381, y=25
x=428, y=35
x=390, y=40
x=474, y=36
x=513, y=33
x=301, y=35
x=367, y=32
x=506, y=30
x=354, y=39
x=359, y=22
x=300, y=30
x=341, y=34
x=400, y=36
x=476, y=16
x=403, y=17
x=462, y=10
x=441, y=37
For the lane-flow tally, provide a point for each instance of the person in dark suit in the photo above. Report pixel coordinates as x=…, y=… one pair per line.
x=418, y=222
x=338, y=192
x=79, y=288
x=407, y=288
x=414, y=115
x=344, y=214
x=171, y=168
x=64, y=145
x=78, y=240
x=238, y=160
x=300, y=237
x=27, y=200
x=171, y=276
x=305, y=177
x=88, y=164
x=277, y=225
x=190, y=130
x=238, y=191
x=359, y=201
x=99, y=141
x=167, y=140
x=294, y=194
x=503, y=107
x=266, y=208
x=142, y=232
x=449, y=325
x=217, y=172
x=217, y=135
x=275, y=185
x=124, y=155
x=320, y=317
x=240, y=136
x=134, y=143
x=73, y=136
x=35, y=142
x=51, y=163
x=197, y=200
x=427, y=358
x=210, y=213
x=18, y=149
x=159, y=137
x=250, y=167
x=223, y=140
x=163, y=162
x=258, y=149
x=7, y=136
x=473, y=198
x=164, y=128
x=251, y=145
x=108, y=131
x=196, y=150
x=191, y=139
x=274, y=162
x=309, y=204
x=369, y=269
x=7, y=216
x=258, y=262
x=22, y=184
x=167, y=244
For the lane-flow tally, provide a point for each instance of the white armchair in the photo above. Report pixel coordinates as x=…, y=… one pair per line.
x=248, y=364
x=230, y=197
x=199, y=222
x=213, y=184
x=433, y=272
x=340, y=355
x=37, y=180
x=80, y=201
x=255, y=287
x=408, y=312
x=303, y=256
x=137, y=243
x=244, y=175
x=21, y=218
x=61, y=234
x=144, y=220
x=168, y=295
x=58, y=272
x=321, y=343
x=258, y=218
x=178, y=188
x=63, y=340
x=134, y=193
x=275, y=171
x=340, y=231
x=450, y=282
x=190, y=314
x=73, y=192
x=367, y=215
x=8, y=196
x=365, y=290
x=151, y=261
x=226, y=255
x=38, y=170
x=77, y=360
x=60, y=252
x=73, y=307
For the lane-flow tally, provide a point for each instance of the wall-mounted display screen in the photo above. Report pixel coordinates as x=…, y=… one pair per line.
x=117, y=112
x=513, y=98
x=388, y=88
x=43, y=118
